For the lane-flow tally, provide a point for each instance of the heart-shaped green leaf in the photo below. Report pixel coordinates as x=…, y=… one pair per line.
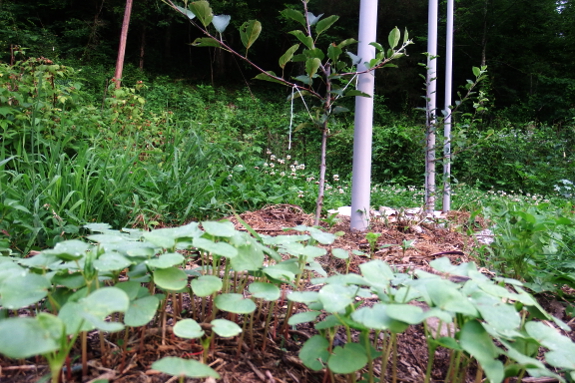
x=23, y=290
x=25, y=337
x=314, y=353
x=184, y=367
x=206, y=285
x=219, y=229
x=225, y=328
x=166, y=260
x=308, y=316
x=171, y=278
x=234, y=303
x=141, y=311
x=189, y=329
x=222, y=249
x=347, y=359
x=267, y=291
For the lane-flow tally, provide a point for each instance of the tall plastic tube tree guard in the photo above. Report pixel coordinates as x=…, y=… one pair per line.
x=447, y=111
x=361, y=179
x=430, y=107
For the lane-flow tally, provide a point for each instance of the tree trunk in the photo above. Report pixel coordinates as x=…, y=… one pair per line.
x=142, y=48
x=122, y=48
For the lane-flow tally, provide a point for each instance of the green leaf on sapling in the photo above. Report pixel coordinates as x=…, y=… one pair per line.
x=314, y=353
x=347, y=359
x=325, y=24
x=249, y=32
x=313, y=19
x=25, y=337
x=141, y=311
x=225, y=328
x=171, y=278
x=330, y=321
x=267, y=291
x=393, y=38
x=203, y=12
x=184, y=367
x=267, y=77
x=311, y=66
x=234, y=303
x=287, y=56
x=105, y=301
x=548, y=336
x=307, y=316
x=295, y=15
x=206, y=285
x=303, y=38
x=188, y=329
x=221, y=22
x=203, y=42
x=333, y=52
x=190, y=16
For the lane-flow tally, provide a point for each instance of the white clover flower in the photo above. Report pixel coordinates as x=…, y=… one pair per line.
x=268, y=152
x=281, y=161
x=301, y=167
x=293, y=168
x=256, y=167
x=265, y=165
x=340, y=191
x=229, y=176
x=272, y=157
x=282, y=174
x=272, y=165
x=288, y=157
x=272, y=173
x=293, y=174
x=295, y=163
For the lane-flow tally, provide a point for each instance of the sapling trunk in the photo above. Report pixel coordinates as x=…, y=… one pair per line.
x=322, y=169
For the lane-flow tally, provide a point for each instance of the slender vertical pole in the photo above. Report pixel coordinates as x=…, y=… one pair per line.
x=122, y=47
x=361, y=180
x=431, y=106
x=447, y=128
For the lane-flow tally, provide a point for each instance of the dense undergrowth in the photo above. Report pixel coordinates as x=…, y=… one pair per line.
x=163, y=153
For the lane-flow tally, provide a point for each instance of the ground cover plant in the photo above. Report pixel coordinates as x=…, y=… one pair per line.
x=208, y=282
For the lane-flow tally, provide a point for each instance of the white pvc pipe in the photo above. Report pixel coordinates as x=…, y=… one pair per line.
x=447, y=128
x=361, y=179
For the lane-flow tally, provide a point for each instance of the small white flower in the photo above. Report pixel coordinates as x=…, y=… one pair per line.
x=272, y=165
x=288, y=157
x=272, y=173
x=282, y=174
x=268, y=152
x=256, y=167
x=265, y=165
x=340, y=191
